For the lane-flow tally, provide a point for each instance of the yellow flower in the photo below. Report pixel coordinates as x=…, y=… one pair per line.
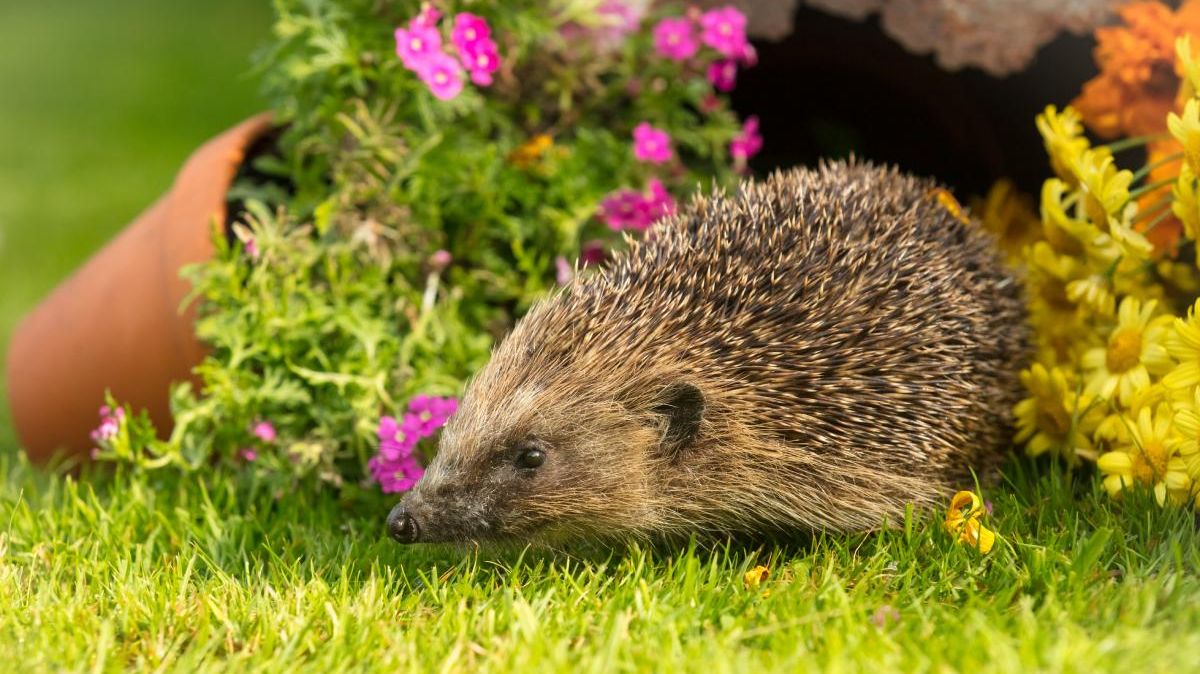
x=1186, y=206
x=1114, y=428
x=1187, y=429
x=1150, y=458
x=1055, y=417
x=1067, y=235
x=1062, y=133
x=1182, y=279
x=1134, y=245
x=1186, y=130
x=1009, y=215
x=963, y=522
x=1134, y=350
x=1105, y=188
x=754, y=577
x=1187, y=67
x=1095, y=293
x=529, y=152
x=1183, y=344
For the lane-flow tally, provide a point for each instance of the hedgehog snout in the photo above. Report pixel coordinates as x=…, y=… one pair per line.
x=402, y=526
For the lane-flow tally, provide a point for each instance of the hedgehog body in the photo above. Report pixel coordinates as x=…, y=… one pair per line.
x=814, y=352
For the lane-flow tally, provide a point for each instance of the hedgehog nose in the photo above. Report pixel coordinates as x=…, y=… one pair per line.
x=401, y=525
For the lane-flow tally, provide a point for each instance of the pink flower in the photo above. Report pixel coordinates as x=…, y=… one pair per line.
x=249, y=454
x=417, y=45
x=593, y=253
x=747, y=143
x=110, y=424
x=620, y=19
x=396, y=467
x=482, y=63
x=443, y=75
x=724, y=29
x=476, y=49
x=623, y=209
x=563, y=271
x=723, y=74
x=675, y=39
x=651, y=144
x=440, y=259
x=251, y=248
x=469, y=31
x=264, y=431
x=631, y=210
x=428, y=16
x=660, y=203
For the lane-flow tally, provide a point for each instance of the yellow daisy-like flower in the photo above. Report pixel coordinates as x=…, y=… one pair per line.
x=1186, y=130
x=963, y=522
x=1181, y=279
x=1010, y=216
x=1133, y=352
x=1183, y=344
x=1105, y=188
x=1134, y=245
x=1114, y=428
x=1055, y=417
x=1094, y=293
x=1150, y=458
x=1065, y=234
x=1049, y=276
x=1187, y=67
x=1185, y=205
x=1062, y=133
x=1187, y=429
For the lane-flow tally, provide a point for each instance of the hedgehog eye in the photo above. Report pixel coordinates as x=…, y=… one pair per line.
x=530, y=458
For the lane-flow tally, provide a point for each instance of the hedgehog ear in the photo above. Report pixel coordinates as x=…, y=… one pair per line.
x=683, y=406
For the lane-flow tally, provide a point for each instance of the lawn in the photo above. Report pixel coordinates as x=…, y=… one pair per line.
x=101, y=103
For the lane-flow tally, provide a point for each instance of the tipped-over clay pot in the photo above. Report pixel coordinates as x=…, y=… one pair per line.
x=116, y=324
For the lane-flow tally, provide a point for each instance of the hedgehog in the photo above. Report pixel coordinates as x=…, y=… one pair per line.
x=814, y=352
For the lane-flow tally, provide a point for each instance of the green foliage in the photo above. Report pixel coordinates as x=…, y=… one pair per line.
x=331, y=302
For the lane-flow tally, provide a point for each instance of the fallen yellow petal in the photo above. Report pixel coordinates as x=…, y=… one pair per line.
x=754, y=577
x=962, y=521
x=948, y=202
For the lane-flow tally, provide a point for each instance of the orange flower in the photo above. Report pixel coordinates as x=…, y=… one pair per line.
x=1138, y=79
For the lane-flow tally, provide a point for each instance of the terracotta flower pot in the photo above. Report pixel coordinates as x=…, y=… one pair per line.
x=116, y=324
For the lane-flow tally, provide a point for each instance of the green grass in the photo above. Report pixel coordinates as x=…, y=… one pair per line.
x=99, y=104
x=176, y=576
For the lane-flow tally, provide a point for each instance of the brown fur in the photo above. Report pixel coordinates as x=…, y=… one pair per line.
x=856, y=347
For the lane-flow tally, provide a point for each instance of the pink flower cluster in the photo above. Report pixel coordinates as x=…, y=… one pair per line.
x=747, y=143
x=419, y=46
x=630, y=209
x=396, y=468
x=722, y=29
x=110, y=424
x=651, y=144
x=264, y=431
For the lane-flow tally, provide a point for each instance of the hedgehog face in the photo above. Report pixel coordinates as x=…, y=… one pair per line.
x=542, y=464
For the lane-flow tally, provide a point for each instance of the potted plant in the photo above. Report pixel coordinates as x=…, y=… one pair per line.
x=438, y=167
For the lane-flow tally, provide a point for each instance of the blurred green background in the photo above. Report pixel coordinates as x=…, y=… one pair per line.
x=101, y=101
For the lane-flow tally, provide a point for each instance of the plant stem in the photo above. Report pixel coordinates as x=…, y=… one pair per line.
x=1136, y=141
x=1150, y=187
x=1148, y=168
